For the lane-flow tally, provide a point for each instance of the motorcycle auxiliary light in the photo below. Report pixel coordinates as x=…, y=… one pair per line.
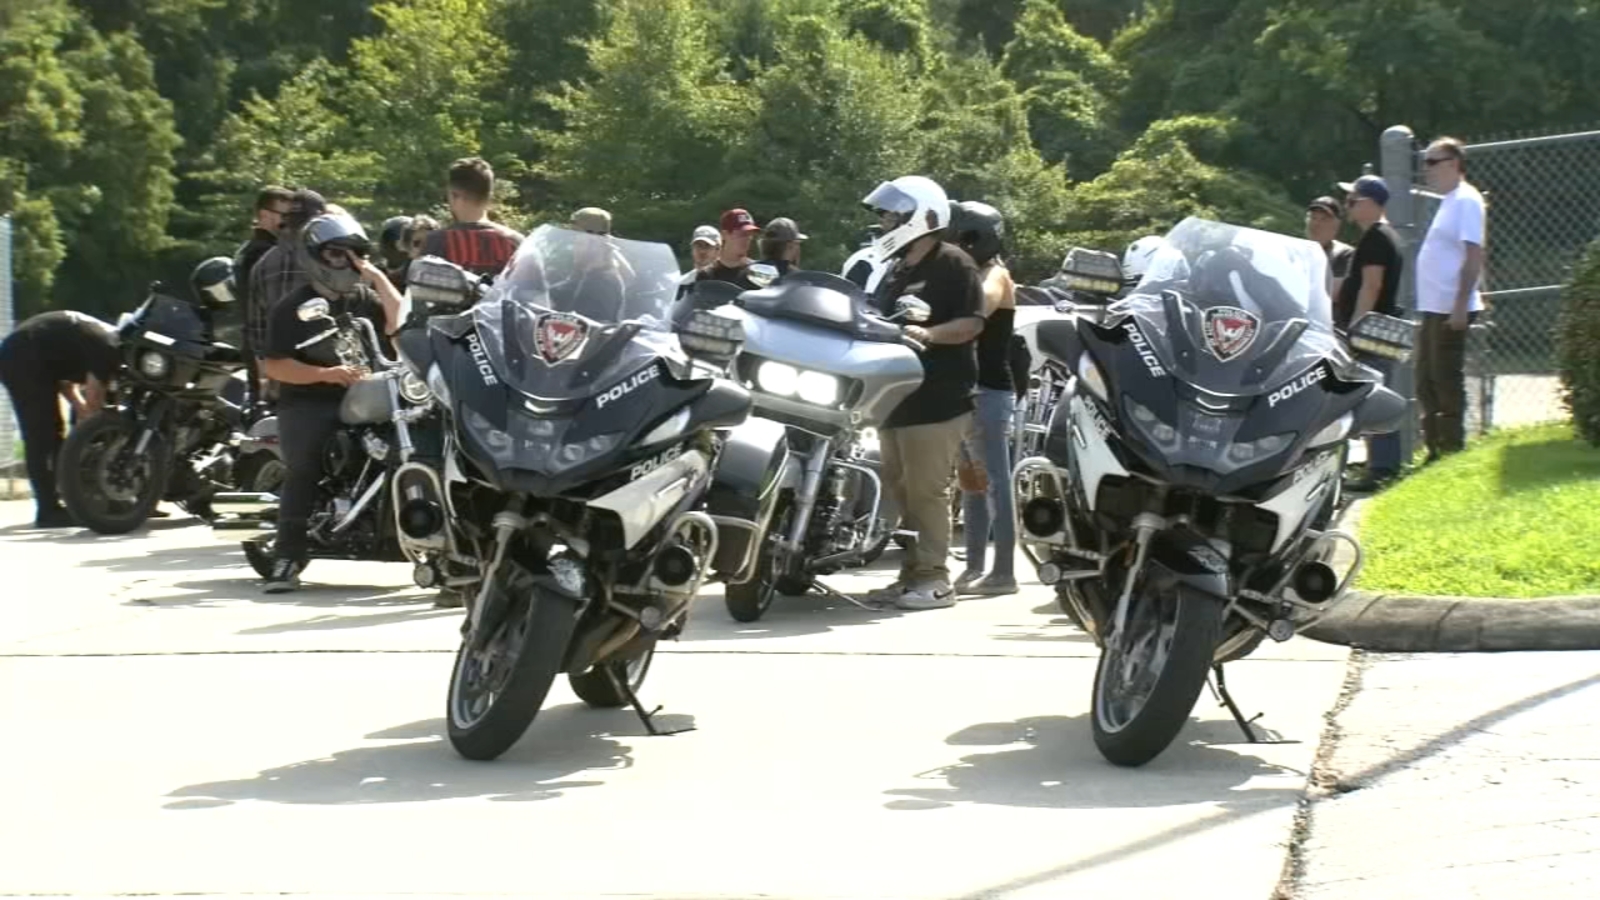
x=420, y=519
x=154, y=365
x=1043, y=517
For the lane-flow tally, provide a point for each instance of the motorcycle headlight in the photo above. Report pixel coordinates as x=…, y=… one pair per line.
x=1151, y=424
x=579, y=452
x=1257, y=450
x=1338, y=431
x=413, y=389
x=777, y=378
x=819, y=388
x=154, y=365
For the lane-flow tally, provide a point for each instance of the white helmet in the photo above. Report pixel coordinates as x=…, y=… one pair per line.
x=919, y=205
x=1137, y=258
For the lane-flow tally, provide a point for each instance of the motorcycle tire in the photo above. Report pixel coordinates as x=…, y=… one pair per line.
x=83, y=494
x=259, y=473
x=750, y=601
x=541, y=622
x=259, y=555
x=1196, y=628
x=596, y=688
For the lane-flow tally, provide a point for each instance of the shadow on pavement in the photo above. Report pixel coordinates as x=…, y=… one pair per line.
x=787, y=617
x=1051, y=762
x=564, y=742
x=26, y=533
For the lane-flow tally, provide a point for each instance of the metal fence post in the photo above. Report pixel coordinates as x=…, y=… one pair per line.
x=1397, y=157
x=8, y=422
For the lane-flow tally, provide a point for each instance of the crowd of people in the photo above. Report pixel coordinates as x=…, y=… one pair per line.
x=950, y=255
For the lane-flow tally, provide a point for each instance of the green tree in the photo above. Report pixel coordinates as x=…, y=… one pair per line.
x=1070, y=83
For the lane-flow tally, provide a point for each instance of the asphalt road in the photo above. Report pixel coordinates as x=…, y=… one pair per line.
x=166, y=729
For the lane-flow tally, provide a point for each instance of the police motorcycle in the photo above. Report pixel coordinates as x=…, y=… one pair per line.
x=1182, y=504
x=825, y=370
x=168, y=430
x=594, y=464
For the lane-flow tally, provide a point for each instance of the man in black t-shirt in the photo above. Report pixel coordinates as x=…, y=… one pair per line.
x=733, y=260
x=1323, y=218
x=1373, y=285
x=313, y=376
x=49, y=356
x=472, y=241
x=921, y=439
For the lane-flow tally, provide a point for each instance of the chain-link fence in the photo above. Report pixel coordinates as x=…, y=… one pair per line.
x=1543, y=201
x=10, y=447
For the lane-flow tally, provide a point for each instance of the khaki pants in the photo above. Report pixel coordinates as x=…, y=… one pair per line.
x=917, y=464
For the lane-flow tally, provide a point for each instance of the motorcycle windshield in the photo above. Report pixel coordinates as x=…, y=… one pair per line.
x=1234, y=311
x=574, y=311
x=167, y=316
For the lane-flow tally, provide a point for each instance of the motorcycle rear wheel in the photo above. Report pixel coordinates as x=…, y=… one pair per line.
x=97, y=451
x=595, y=687
x=530, y=642
x=1147, y=682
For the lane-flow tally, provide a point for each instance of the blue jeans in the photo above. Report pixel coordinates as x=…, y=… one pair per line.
x=1383, y=450
x=992, y=508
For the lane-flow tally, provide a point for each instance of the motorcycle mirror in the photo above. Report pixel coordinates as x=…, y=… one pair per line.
x=1382, y=412
x=913, y=309
x=762, y=274
x=311, y=310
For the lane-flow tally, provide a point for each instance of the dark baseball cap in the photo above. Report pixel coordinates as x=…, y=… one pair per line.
x=738, y=220
x=783, y=229
x=1370, y=186
x=1328, y=205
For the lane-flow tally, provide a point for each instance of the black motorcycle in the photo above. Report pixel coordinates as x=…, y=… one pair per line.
x=352, y=516
x=1191, y=471
x=167, y=432
x=582, y=438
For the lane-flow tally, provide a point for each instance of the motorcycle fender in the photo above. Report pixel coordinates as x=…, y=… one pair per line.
x=745, y=485
x=1191, y=560
x=642, y=503
x=263, y=435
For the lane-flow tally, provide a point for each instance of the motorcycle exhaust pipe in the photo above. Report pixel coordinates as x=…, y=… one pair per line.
x=676, y=567
x=1315, y=582
x=1043, y=517
x=421, y=519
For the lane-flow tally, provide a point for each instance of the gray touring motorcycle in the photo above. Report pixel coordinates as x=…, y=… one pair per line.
x=824, y=370
x=1191, y=469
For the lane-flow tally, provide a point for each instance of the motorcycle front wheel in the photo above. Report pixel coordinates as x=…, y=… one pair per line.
x=496, y=693
x=1150, y=677
x=105, y=481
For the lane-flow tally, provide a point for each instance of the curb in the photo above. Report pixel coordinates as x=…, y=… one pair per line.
x=1391, y=623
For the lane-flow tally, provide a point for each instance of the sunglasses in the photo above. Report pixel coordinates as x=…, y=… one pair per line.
x=1431, y=161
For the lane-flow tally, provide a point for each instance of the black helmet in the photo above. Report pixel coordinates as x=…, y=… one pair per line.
x=333, y=231
x=978, y=228
x=212, y=282
x=392, y=241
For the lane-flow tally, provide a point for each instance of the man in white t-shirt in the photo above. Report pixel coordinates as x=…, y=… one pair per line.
x=1449, y=268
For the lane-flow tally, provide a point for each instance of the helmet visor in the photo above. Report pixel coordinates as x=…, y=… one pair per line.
x=888, y=198
x=336, y=230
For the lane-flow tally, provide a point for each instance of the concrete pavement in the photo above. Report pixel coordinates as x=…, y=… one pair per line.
x=168, y=729
x=1460, y=776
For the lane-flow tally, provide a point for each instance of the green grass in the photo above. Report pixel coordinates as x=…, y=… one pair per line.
x=1516, y=515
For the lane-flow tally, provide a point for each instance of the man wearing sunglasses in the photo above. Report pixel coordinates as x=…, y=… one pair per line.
x=272, y=210
x=1449, y=268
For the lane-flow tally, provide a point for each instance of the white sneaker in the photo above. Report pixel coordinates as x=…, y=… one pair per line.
x=928, y=595
x=888, y=594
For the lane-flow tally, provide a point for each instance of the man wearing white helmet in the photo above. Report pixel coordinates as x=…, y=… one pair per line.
x=1137, y=258
x=921, y=439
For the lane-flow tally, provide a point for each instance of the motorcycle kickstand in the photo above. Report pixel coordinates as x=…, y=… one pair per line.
x=829, y=592
x=1220, y=691
x=648, y=718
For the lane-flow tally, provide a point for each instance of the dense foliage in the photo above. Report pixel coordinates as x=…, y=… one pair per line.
x=1578, y=345
x=133, y=135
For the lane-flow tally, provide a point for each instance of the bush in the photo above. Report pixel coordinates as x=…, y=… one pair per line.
x=1578, y=345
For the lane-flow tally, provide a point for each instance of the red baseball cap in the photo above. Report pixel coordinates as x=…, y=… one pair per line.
x=738, y=220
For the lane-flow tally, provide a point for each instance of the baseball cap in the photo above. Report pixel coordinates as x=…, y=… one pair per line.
x=707, y=234
x=738, y=220
x=783, y=229
x=1326, y=204
x=592, y=219
x=1370, y=186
